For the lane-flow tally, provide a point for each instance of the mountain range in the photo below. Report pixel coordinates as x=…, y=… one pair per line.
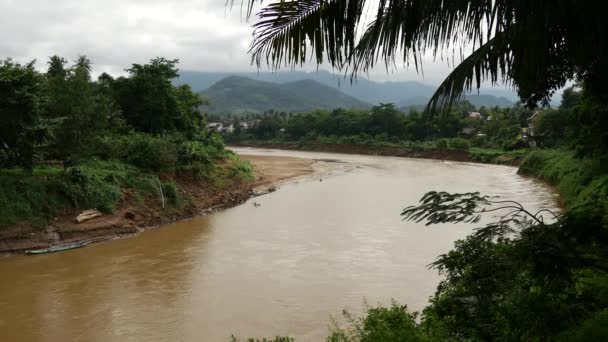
x=239, y=95
x=303, y=91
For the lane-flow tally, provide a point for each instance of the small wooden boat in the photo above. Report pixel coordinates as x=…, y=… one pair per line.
x=58, y=248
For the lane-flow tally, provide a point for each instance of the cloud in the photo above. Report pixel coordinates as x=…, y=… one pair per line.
x=204, y=35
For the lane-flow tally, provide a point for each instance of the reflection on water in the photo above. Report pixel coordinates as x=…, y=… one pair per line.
x=311, y=249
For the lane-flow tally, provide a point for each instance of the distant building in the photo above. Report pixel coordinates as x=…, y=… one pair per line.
x=475, y=115
x=215, y=126
x=528, y=133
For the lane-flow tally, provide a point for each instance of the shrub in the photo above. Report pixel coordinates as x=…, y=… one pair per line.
x=442, y=144
x=91, y=190
x=171, y=193
x=394, y=323
x=150, y=152
x=459, y=144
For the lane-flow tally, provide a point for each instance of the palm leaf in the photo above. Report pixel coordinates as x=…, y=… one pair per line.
x=285, y=28
x=489, y=61
x=549, y=41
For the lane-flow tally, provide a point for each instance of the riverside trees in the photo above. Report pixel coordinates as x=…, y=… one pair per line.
x=108, y=133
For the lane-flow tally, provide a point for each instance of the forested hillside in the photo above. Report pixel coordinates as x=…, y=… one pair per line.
x=240, y=95
x=401, y=93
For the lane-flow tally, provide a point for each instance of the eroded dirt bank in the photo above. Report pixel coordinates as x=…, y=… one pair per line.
x=134, y=216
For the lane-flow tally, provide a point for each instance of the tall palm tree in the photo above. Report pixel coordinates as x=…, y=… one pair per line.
x=536, y=46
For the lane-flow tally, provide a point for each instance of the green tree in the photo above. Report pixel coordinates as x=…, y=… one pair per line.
x=151, y=103
x=83, y=110
x=22, y=129
x=385, y=118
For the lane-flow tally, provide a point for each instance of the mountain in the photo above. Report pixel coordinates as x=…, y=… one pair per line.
x=238, y=95
x=363, y=89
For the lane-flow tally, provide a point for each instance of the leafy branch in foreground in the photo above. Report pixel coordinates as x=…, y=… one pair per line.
x=521, y=277
x=442, y=207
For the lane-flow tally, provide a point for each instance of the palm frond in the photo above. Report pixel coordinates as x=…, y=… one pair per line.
x=285, y=28
x=488, y=62
x=549, y=42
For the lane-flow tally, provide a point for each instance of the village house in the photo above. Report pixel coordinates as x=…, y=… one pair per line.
x=528, y=132
x=475, y=115
x=215, y=126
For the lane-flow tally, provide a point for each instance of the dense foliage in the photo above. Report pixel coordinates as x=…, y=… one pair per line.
x=67, y=141
x=497, y=128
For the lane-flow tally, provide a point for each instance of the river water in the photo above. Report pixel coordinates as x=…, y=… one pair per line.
x=310, y=250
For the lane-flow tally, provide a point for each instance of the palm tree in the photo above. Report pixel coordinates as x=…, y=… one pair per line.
x=535, y=46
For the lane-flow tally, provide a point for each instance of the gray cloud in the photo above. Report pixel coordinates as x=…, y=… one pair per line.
x=204, y=35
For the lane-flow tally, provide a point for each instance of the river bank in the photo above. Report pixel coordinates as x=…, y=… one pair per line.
x=472, y=155
x=135, y=214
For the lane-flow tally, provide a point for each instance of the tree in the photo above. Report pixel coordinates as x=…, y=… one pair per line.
x=81, y=107
x=152, y=104
x=21, y=125
x=385, y=118
x=534, y=45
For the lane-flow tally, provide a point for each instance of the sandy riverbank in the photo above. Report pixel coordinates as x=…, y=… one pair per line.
x=272, y=171
x=132, y=218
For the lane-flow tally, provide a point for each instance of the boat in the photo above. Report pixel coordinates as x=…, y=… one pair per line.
x=58, y=248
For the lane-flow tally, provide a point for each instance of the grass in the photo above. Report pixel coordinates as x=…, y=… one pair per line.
x=40, y=195
x=579, y=181
x=497, y=156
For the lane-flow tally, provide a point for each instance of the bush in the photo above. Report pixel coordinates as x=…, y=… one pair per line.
x=578, y=180
x=459, y=144
x=150, y=152
x=87, y=189
x=24, y=196
x=394, y=323
x=164, y=152
x=442, y=144
x=171, y=193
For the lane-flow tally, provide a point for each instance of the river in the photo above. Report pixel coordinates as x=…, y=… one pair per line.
x=314, y=247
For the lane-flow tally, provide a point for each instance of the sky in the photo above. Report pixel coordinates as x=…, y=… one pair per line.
x=203, y=34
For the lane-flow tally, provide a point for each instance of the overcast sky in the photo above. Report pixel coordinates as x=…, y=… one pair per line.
x=203, y=34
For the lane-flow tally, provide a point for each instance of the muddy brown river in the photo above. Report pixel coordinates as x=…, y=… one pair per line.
x=314, y=247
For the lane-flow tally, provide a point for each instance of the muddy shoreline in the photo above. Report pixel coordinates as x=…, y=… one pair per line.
x=130, y=219
x=438, y=154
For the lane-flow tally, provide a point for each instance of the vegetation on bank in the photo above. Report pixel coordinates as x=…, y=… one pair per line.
x=492, y=135
x=578, y=180
x=68, y=142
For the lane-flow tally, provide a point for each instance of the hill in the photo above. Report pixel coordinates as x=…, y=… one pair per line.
x=363, y=89
x=238, y=95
